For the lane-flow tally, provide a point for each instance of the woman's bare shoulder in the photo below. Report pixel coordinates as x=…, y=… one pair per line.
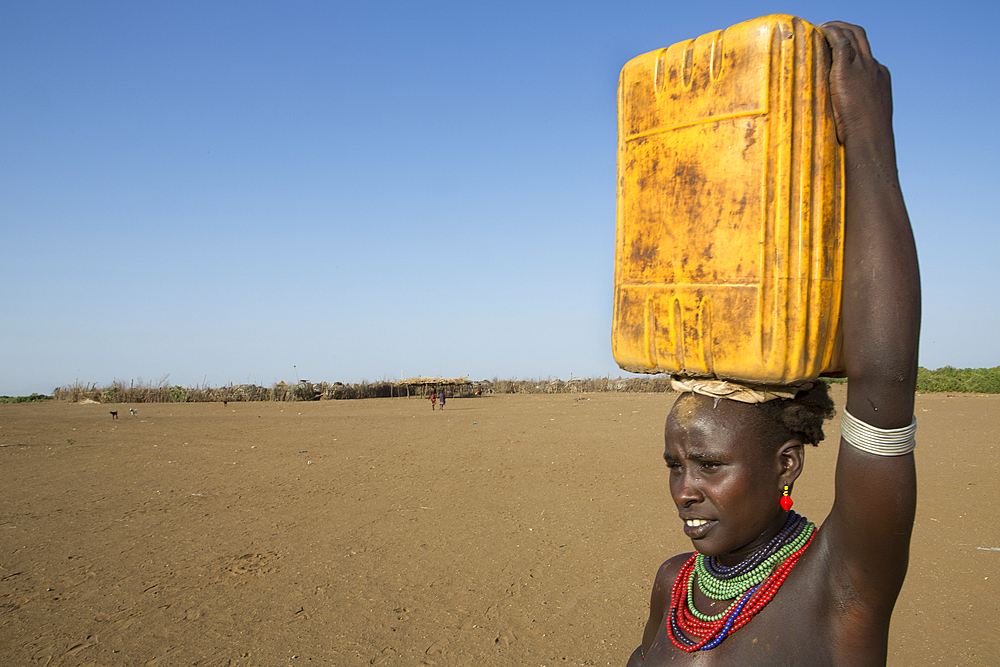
x=668, y=571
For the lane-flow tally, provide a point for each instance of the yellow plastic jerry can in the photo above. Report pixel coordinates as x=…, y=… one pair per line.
x=729, y=254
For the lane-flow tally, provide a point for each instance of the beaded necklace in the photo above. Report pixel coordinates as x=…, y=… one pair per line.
x=752, y=582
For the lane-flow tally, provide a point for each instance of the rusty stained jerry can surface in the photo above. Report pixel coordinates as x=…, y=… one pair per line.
x=729, y=252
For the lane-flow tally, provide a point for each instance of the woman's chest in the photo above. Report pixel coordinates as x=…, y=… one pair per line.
x=791, y=629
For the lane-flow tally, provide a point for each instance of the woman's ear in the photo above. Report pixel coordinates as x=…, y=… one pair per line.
x=791, y=457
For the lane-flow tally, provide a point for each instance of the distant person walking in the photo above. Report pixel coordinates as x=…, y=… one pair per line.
x=441, y=398
x=433, y=399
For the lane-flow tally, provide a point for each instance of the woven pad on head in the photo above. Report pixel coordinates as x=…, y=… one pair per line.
x=737, y=391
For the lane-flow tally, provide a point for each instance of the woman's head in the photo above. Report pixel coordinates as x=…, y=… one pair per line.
x=730, y=461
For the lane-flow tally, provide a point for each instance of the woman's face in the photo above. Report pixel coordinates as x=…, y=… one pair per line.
x=725, y=480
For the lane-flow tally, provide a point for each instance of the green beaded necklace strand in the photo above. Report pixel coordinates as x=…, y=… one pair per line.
x=728, y=589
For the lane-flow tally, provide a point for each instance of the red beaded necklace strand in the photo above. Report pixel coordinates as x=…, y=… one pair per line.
x=711, y=633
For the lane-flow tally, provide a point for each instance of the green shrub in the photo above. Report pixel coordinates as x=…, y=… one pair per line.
x=962, y=380
x=178, y=394
x=34, y=398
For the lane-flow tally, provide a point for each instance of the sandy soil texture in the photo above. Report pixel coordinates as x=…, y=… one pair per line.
x=505, y=530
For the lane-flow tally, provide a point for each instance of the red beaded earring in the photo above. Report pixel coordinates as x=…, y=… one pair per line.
x=786, y=500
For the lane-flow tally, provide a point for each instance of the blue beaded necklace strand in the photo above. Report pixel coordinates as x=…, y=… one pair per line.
x=793, y=524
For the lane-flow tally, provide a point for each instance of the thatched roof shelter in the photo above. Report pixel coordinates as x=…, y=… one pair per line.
x=434, y=382
x=420, y=385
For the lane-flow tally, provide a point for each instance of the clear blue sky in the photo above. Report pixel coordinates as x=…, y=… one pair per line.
x=247, y=191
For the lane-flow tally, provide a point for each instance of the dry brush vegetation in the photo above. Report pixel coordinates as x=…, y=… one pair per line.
x=120, y=392
x=947, y=379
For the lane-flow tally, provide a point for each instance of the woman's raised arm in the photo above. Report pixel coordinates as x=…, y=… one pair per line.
x=868, y=530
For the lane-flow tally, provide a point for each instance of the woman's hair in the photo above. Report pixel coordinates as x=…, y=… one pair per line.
x=803, y=416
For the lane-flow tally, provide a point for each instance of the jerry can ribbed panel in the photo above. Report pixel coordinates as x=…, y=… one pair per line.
x=729, y=253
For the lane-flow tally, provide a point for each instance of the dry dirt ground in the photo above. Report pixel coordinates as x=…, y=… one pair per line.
x=505, y=530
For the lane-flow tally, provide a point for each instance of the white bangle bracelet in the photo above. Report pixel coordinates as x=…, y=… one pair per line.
x=878, y=441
